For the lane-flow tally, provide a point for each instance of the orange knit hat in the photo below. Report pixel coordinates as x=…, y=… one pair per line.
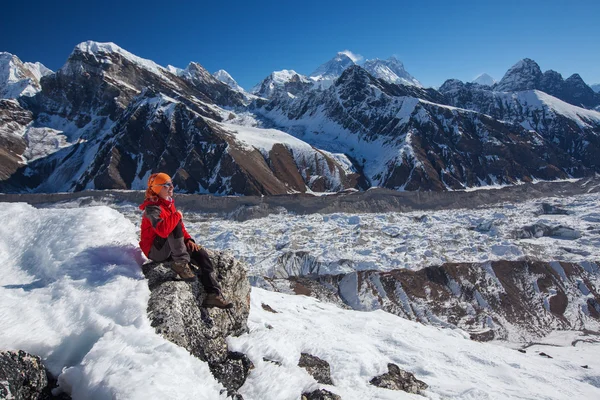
x=154, y=182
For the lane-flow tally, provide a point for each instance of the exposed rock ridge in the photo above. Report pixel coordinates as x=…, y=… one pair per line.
x=513, y=300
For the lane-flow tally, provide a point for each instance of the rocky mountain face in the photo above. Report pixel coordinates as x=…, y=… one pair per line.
x=108, y=118
x=512, y=300
x=419, y=142
x=13, y=122
x=527, y=75
x=571, y=132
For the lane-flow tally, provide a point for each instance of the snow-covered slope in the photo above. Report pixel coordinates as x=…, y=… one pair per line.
x=78, y=299
x=391, y=70
x=18, y=78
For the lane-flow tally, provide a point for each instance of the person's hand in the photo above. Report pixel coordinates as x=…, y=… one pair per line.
x=180, y=214
x=191, y=246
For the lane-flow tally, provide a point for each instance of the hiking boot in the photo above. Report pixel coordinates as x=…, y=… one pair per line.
x=216, y=300
x=183, y=270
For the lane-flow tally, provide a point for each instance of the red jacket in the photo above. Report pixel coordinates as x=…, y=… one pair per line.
x=160, y=218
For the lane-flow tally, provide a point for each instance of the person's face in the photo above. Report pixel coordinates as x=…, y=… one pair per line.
x=166, y=190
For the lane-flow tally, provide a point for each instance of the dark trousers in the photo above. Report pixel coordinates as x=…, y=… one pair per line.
x=173, y=248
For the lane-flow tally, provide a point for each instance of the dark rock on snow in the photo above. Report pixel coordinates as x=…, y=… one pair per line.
x=320, y=394
x=398, y=379
x=175, y=311
x=24, y=377
x=319, y=369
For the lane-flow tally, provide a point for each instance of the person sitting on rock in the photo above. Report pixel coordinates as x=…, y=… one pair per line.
x=164, y=238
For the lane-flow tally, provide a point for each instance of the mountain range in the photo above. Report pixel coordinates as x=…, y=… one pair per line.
x=107, y=119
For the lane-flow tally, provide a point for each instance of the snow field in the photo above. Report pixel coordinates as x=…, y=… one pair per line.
x=358, y=346
x=72, y=292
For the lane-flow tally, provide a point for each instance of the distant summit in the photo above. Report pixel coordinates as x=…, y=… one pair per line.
x=227, y=79
x=527, y=75
x=391, y=70
x=596, y=87
x=18, y=78
x=333, y=68
x=285, y=81
x=484, y=80
x=524, y=75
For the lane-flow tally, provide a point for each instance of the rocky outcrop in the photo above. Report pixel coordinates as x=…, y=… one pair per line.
x=13, y=121
x=317, y=368
x=24, y=377
x=320, y=394
x=175, y=311
x=398, y=379
x=513, y=300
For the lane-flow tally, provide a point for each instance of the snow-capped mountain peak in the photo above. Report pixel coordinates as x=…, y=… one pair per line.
x=101, y=51
x=484, y=80
x=174, y=70
x=524, y=75
x=333, y=68
x=288, y=80
x=391, y=70
x=18, y=78
x=227, y=79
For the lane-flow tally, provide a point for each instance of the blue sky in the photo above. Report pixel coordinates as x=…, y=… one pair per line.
x=436, y=40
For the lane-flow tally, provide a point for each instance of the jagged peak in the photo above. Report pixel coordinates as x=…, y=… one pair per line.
x=227, y=79
x=576, y=78
x=524, y=75
x=451, y=84
x=222, y=73
x=99, y=50
x=553, y=73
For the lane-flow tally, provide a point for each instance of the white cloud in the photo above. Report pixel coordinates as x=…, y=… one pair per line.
x=354, y=57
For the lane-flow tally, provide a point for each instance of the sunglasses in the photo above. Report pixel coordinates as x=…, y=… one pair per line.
x=168, y=184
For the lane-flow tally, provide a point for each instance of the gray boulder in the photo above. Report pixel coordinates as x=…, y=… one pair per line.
x=175, y=311
x=319, y=369
x=320, y=394
x=398, y=379
x=24, y=377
